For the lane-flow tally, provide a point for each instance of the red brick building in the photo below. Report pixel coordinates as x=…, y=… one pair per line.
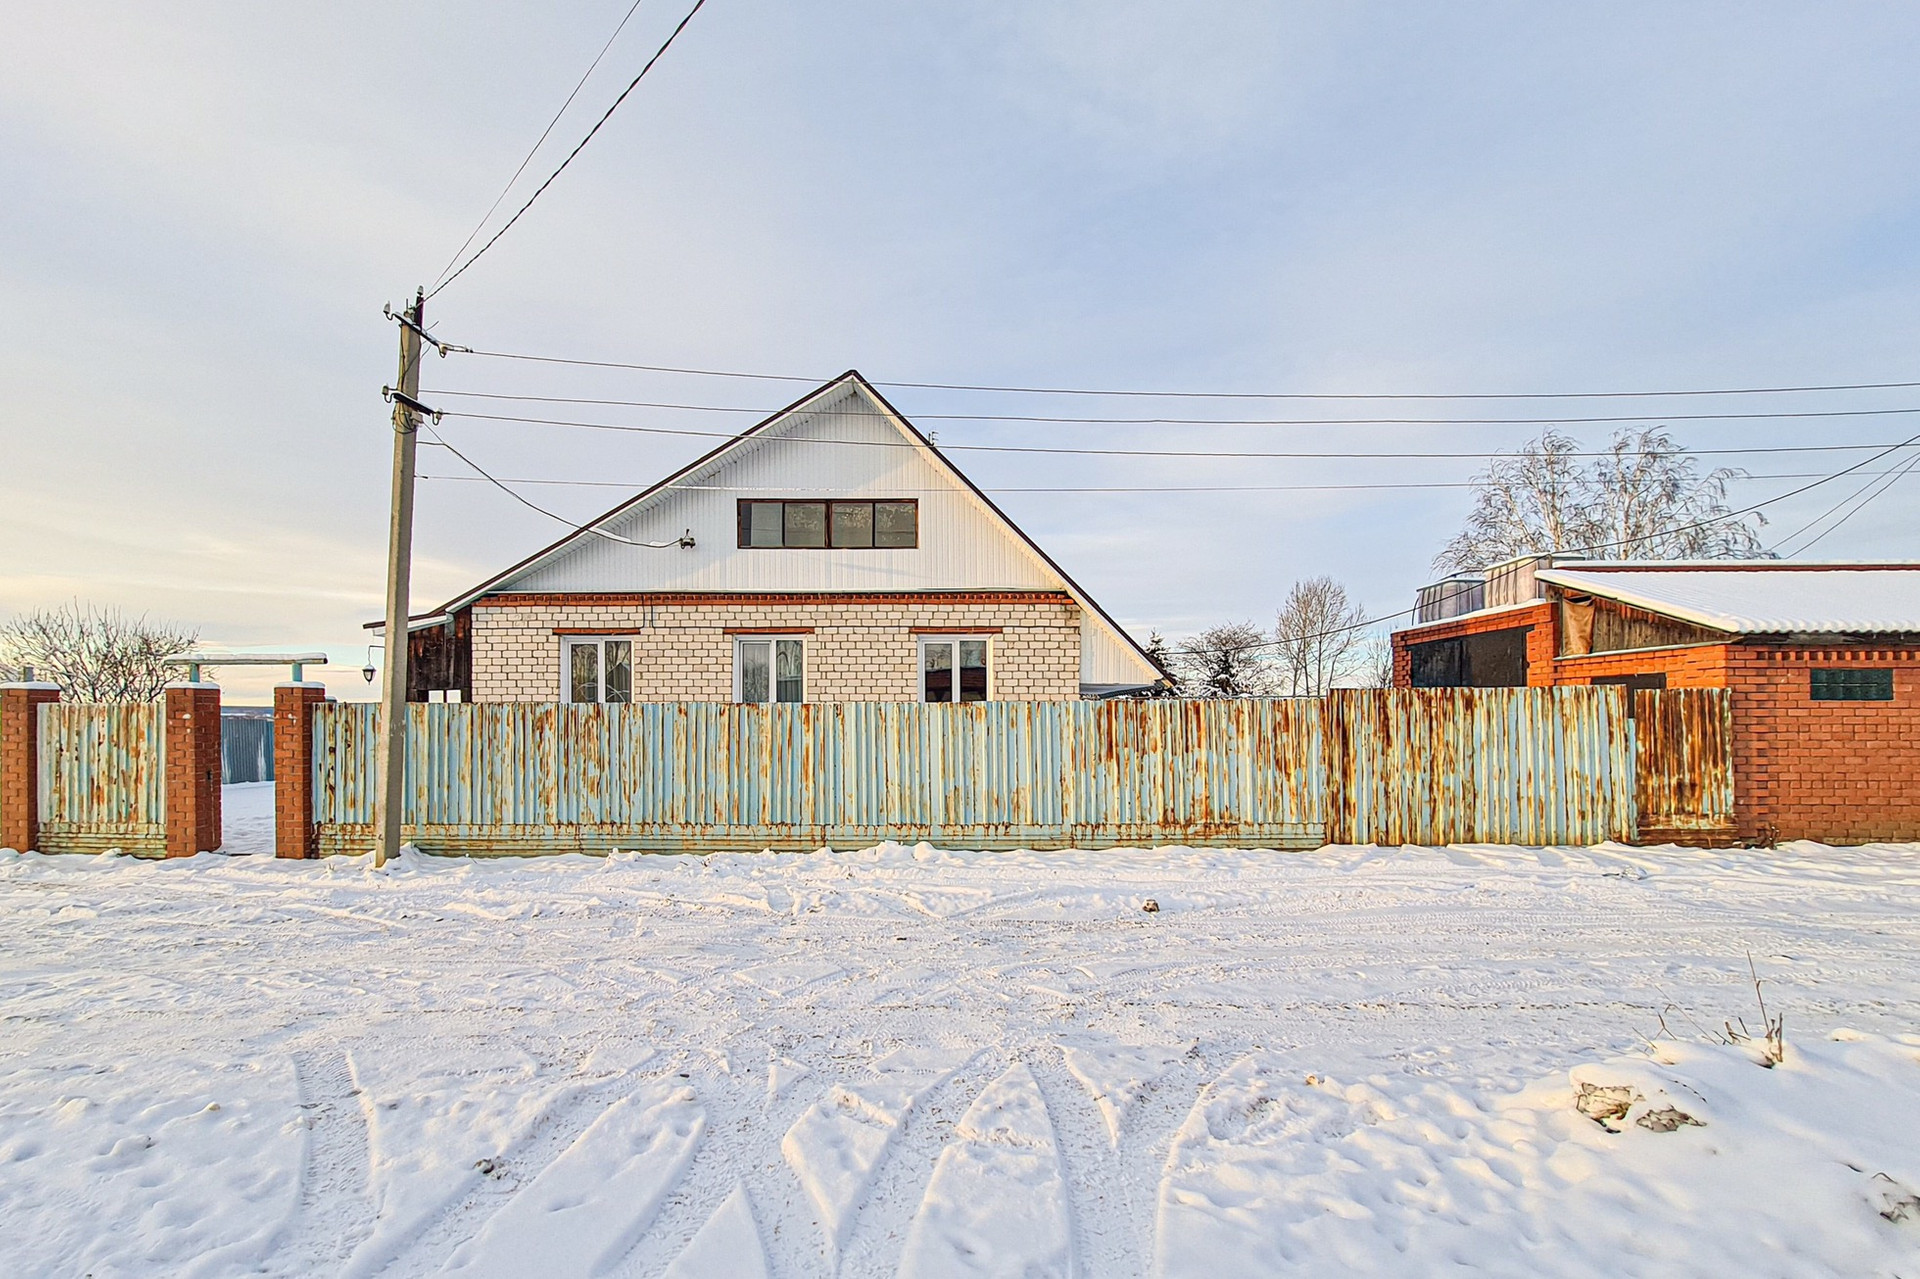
x=1822, y=661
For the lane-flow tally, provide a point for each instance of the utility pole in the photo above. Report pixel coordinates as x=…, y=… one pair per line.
x=393, y=687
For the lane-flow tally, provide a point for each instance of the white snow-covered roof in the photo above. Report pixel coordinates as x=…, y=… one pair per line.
x=1761, y=598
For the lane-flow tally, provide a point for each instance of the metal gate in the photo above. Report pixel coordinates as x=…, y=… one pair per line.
x=102, y=778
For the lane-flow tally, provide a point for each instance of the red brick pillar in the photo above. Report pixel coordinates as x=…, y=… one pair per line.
x=193, y=769
x=294, y=834
x=20, y=762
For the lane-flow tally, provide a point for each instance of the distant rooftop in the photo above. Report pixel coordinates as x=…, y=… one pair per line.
x=1759, y=597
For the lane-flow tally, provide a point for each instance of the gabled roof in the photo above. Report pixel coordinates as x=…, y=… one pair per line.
x=1760, y=597
x=502, y=581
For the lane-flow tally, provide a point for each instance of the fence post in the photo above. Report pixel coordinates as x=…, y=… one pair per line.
x=20, y=762
x=193, y=769
x=293, y=708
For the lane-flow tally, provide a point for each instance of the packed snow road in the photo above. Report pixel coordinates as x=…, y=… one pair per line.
x=908, y=1062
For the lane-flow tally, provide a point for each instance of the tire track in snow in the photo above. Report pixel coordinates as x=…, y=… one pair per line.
x=336, y=1204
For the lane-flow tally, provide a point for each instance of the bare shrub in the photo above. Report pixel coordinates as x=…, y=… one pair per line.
x=95, y=655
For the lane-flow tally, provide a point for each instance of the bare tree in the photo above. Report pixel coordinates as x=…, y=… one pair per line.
x=1375, y=664
x=1317, y=637
x=1225, y=661
x=95, y=655
x=1645, y=499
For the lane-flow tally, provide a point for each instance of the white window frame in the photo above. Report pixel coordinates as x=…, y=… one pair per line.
x=955, y=639
x=773, y=680
x=570, y=642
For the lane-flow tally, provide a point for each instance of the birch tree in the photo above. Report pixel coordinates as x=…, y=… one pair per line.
x=1317, y=635
x=1643, y=499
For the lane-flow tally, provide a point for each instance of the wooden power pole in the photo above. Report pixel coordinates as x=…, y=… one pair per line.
x=393, y=686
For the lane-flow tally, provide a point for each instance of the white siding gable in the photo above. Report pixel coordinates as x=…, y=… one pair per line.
x=962, y=545
x=842, y=442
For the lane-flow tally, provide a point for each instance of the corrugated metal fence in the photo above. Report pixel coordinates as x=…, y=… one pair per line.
x=102, y=778
x=246, y=748
x=1389, y=766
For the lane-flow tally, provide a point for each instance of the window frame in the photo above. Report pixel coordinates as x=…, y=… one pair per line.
x=568, y=643
x=1848, y=687
x=955, y=638
x=771, y=639
x=743, y=526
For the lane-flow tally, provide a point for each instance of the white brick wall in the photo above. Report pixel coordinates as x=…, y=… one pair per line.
x=857, y=652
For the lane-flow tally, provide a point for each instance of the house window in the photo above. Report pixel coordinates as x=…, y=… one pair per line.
x=598, y=670
x=887, y=525
x=1850, y=684
x=1654, y=683
x=953, y=670
x=769, y=668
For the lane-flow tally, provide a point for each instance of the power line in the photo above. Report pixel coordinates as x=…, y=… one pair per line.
x=1201, y=421
x=1891, y=477
x=631, y=486
x=631, y=10
x=1214, y=395
x=1581, y=550
x=1042, y=449
x=495, y=239
x=1865, y=502
x=578, y=528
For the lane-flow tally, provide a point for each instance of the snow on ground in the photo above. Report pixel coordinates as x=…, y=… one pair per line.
x=906, y=1061
x=246, y=818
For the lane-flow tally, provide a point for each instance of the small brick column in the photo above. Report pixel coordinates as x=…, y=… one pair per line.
x=20, y=762
x=294, y=834
x=193, y=769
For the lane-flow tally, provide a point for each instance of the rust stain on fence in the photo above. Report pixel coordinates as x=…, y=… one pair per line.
x=1361, y=766
x=1479, y=765
x=702, y=776
x=102, y=780
x=1684, y=764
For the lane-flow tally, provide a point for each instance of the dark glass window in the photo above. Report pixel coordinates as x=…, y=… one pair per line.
x=1850, y=684
x=953, y=670
x=853, y=525
x=1634, y=683
x=762, y=523
x=1490, y=659
x=806, y=524
x=896, y=523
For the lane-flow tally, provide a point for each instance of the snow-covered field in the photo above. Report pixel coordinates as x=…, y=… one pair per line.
x=908, y=1062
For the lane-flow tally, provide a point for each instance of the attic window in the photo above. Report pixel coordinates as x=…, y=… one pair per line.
x=884, y=525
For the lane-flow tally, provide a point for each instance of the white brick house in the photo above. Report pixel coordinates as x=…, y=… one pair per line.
x=833, y=554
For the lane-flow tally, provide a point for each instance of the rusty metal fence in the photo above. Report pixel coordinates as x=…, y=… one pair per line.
x=1684, y=765
x=102, y=780
x=1362, y=766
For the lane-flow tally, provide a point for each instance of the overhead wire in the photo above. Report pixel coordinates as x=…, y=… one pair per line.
x=1884, y=479
x=538, y=143
x=1211, y=395
x=534, y=506
x=1581, y=550
x=1050, y=450
x=635, y=486
x=1199, y=421
x=578, y=148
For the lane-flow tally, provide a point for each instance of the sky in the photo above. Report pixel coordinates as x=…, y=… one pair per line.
x=208, y=205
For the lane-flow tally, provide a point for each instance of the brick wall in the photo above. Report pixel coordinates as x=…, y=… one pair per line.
x=294, y=834
x=1696, y=666
x=1841, y=772
x=193, y=769
x=858, y=649
x=1540, y=640
x=20, y=763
